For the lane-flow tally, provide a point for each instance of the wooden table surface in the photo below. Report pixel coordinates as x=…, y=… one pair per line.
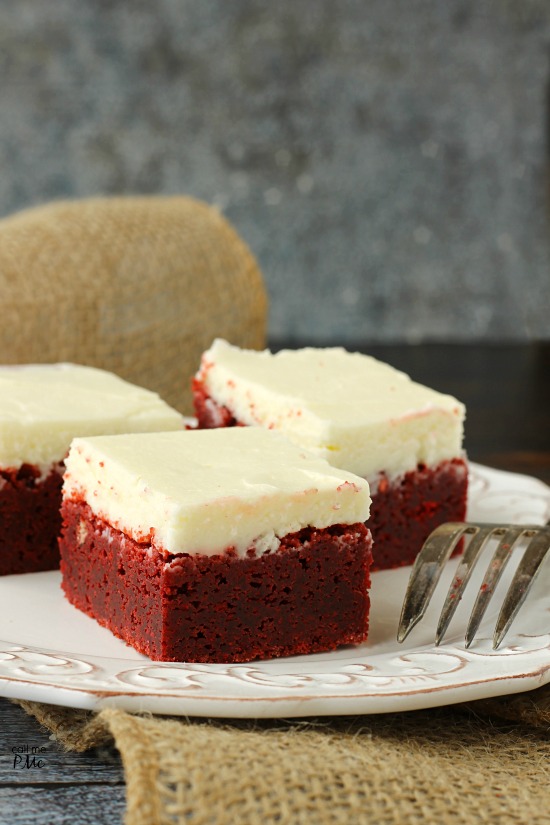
x=506, y=389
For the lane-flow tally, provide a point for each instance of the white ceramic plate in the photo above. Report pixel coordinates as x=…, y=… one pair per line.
x=53, y=653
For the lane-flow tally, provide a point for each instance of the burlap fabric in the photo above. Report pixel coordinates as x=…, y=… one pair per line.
x=486, y=762
x=138, y=286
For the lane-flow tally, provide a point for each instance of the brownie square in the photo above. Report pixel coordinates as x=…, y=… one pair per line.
x=30, y=518
x=150, y=562
x=359, y=414
x=42, y=407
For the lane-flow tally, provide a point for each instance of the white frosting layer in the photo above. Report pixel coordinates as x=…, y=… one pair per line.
x=44, y=406
x=204, y=491
x=358, y=413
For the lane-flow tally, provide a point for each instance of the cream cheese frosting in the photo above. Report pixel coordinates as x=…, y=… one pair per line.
x=44, y=406
x=360, y=414
x=204, y=491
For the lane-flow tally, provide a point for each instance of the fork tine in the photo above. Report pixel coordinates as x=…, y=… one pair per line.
x=492, y=576
x=524, y=577
x=461, y=578
x=426, y=573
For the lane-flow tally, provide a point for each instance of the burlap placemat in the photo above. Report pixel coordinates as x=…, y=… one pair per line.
x=485, y=762
x=138, y=286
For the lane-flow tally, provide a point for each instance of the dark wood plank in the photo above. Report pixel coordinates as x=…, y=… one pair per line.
x=59, y=805
x=18, y=729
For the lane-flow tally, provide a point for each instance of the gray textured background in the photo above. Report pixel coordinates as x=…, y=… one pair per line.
x=386, y=161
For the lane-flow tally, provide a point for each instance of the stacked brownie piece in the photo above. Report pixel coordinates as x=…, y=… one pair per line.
x=360, y=415
x=215, y=546
x=42, y=407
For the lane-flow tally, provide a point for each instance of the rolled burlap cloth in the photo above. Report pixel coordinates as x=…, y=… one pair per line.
x=486, y=762
x=139, y=286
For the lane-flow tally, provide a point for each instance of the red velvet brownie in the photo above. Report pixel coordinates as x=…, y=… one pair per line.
x=42, y=406
x=215, y=546
x=360, y=415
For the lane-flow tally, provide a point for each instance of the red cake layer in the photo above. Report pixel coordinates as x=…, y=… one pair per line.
x=309, y=596
x=30, y=520
x=210, y=414
x=404, y=511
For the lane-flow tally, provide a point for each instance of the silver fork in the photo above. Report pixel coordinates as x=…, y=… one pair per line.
x=436, y=551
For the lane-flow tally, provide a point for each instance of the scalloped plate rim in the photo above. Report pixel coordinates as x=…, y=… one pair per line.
x=307, y=688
